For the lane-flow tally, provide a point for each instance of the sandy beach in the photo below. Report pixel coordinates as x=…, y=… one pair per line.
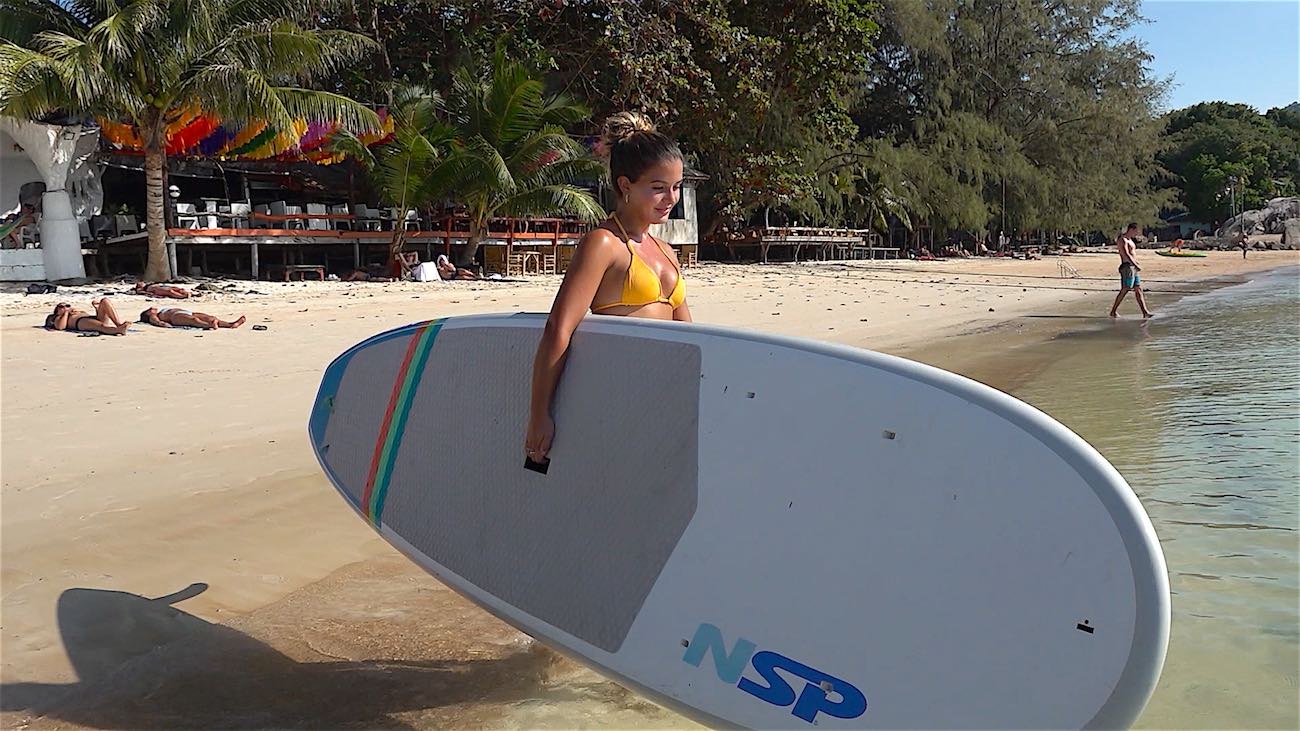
x=172, y=555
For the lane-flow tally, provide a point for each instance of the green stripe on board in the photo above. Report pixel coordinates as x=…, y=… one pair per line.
x=396, y=427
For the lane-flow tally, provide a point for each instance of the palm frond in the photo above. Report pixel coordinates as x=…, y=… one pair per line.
x=324, y=106
x=285, y=49
x=573, y=170
x=562, y=110
x=21, y=20
x=552, y=200
x=490, y=175
x=344, y=142
x=540, y=146
x=120, y=35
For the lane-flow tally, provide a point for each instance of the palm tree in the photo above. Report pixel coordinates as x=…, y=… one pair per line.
x=511, y=155
x=148, y=62
x=415, y=168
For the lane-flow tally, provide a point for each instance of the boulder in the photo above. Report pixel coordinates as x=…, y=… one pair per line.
x=1268, y=220
x=1291, y=233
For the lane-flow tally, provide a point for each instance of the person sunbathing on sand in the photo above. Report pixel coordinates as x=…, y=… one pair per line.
x=175, y=316
x=155, y=289
x=105, y=319
x=447, y=270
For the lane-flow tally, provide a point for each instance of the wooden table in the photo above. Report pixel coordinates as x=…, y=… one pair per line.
x=288, y=270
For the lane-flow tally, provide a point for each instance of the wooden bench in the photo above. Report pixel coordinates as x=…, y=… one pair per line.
x=287, y=271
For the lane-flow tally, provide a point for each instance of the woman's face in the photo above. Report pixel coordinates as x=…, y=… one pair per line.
x=654, y=194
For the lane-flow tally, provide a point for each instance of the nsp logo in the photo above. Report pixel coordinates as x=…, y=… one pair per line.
x=813, y=699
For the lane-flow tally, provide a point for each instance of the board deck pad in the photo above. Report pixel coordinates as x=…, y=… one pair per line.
x=760, y=531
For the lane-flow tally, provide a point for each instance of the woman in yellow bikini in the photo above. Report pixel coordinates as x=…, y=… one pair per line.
x=618, y=268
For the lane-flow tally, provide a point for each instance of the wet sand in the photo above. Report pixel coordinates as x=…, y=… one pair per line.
x=136, y=467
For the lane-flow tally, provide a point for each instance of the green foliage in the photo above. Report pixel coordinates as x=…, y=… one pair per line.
x=498, y=147
x=515, y=157
x=148, y=62
x=1047, y=107
x=756, y=91
x=1217, y=151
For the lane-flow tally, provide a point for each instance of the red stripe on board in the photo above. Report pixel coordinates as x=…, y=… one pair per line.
x=388, y=419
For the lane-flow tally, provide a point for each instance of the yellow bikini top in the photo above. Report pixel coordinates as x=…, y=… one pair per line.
x=642, y=286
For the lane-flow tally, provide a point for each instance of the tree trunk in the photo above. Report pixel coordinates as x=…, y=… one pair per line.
x=155, y=159
x=397, y=244
x=468, y=253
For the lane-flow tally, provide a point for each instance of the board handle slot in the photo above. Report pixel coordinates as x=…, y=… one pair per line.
x=538, y=467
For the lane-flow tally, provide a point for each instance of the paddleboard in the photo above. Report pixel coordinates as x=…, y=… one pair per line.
x=1179, y=253
x=760, y=531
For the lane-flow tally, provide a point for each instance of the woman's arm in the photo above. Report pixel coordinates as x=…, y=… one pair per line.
x=590, y=262
x=61, y=322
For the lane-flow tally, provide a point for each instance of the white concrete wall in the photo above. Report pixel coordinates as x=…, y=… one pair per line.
x=679, y=231
x=22, y=265
x=16, y=170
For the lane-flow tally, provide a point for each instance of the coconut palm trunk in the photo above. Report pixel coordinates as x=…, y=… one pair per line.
x=158, y=267
x=477, y=234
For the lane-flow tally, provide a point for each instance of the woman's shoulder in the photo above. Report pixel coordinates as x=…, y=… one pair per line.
x=600, y=239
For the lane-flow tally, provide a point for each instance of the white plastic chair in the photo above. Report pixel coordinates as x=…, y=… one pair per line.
x=367, y=218
x=294, y=222
x=318, y=224
x=240, y=213
x=340, y=224
x=185, y=216
x=411, y=222
x=278, y=208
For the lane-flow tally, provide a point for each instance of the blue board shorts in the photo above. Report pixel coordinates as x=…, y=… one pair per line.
x=1128, y=275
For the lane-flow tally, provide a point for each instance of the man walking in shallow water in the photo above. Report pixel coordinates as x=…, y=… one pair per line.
x=1128, y=271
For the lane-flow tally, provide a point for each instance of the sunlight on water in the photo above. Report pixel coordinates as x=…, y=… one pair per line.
x=1200, y=411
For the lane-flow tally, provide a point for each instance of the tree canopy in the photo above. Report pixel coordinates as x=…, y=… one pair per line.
x=1217, y=152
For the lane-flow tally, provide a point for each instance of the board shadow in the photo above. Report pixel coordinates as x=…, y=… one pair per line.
x=143, y=664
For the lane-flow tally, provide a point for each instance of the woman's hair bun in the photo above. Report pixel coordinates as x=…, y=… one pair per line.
x=624, y=125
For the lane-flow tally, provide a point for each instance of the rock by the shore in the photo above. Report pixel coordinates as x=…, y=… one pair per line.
x=1291, y=233
x=1270, y=219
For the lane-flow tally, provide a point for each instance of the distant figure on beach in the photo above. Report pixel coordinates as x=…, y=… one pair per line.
x=155, y=289
x=177, y=317
x=375, y=273
x=447, y=270
x=11, y=228
x=618, y=268
x=104, y=320
x=404, y=263
x=1245, y=245
x=1128, y=271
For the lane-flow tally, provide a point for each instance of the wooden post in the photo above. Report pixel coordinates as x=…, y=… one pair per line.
x=252, y=251
x=203, y=261
x=447, y=239
x=171, y=258
x=356, y=254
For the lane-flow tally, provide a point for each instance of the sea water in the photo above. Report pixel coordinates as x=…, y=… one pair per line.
x=1199, y=409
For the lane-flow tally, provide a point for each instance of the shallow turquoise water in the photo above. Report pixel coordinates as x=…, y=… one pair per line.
x=1199, y=409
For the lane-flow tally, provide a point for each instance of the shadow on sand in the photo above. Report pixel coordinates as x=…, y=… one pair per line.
x=142, y=663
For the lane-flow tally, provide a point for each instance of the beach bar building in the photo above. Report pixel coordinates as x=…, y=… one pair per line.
x=249, y=203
